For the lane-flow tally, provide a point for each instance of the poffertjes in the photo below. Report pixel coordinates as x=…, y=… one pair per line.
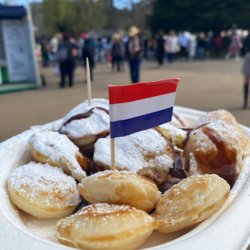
x=57, y=150
x=85, y=123
x=104, y=226
x=213, y=148
x=189, y=202
x=43, y=191
x=120, y=187
x=144, y=150
x=228, y=118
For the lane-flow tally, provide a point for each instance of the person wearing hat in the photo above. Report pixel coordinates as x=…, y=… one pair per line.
x=133, y=53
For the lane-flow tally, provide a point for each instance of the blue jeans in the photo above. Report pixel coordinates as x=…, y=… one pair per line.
x=134, y=66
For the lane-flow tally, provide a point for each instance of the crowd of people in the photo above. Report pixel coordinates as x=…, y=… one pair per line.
x=63, y=52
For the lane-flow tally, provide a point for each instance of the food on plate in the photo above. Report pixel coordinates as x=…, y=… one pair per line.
x=176, y=135
x=216, y=115
x=85, y=124
x=213, y=148
x=125, y=206
x=57, y=150
x=228, y=118
x=105, y=226
x=43, y=191
x=120, y=187
x=189, y=202
x=137, y=151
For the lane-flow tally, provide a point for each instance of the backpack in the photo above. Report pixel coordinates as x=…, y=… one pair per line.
x=62, y=53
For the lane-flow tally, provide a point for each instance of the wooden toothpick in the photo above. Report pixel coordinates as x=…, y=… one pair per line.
x=112, y=140
x=89, y=92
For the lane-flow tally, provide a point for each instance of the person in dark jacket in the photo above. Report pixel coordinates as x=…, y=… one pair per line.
x=117, y=52
x=246, y=69
x=160, y=49
x=88, y=51
x=66, y=55
x=133, y=51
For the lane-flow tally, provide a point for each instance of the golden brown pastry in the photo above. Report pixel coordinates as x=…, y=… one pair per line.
x=57, y=150
x=43, y=191
x=217, y=115
x=147, y=149
x=189, y=202
x=105, y=226
x=120, y=187
x=213, y=148
x=85, y=124
x=157, y=174
x=228, y=118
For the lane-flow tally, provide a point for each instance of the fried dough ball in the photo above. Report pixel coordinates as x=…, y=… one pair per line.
x=189, y=202
x=120, y=187
x=57, y=150
x=213, y=149
x=105, y=226
x=43, y=191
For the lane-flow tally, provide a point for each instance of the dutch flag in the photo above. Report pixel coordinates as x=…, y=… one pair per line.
x=140, y=106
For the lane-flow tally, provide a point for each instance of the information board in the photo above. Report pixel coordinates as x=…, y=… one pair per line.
x=18, y=50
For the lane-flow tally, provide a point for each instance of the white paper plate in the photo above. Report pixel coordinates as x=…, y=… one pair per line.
x=228, y=229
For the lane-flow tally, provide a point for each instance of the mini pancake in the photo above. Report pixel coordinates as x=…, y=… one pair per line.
x=120, y=187
x=228, y=118
x=43, y=191
x=104, y=226
x=57, y=150
x=189, y=202
x=213, y=148
x=86, y=123
x=145, y=149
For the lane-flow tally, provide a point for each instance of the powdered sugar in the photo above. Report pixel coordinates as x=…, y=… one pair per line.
x=33, y=179
x=96, y=123
x=201, y=140
x=174, y=131
x=14, y=232
x=134, y=152
x=102, y=210
x=223, y=129
x=58, y=148
x=84, y=106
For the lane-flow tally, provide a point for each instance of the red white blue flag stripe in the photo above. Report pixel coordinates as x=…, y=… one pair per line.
x=140, y=106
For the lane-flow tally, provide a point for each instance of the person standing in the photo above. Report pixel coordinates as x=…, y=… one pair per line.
x=183, y=43
x=66, y=55
x=160, y=50
x=133, y=52
x=88, y=51
x=234, y=47
x=116, y=52
x=201, y=46
x=246, y=70
x=171, y=46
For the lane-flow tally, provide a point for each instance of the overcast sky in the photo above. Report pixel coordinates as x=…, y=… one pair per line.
x=118, y=3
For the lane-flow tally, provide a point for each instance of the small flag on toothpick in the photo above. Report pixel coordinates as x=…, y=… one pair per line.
x=138, y=107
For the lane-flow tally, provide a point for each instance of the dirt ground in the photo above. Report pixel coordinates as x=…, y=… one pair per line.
x=205, y=86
